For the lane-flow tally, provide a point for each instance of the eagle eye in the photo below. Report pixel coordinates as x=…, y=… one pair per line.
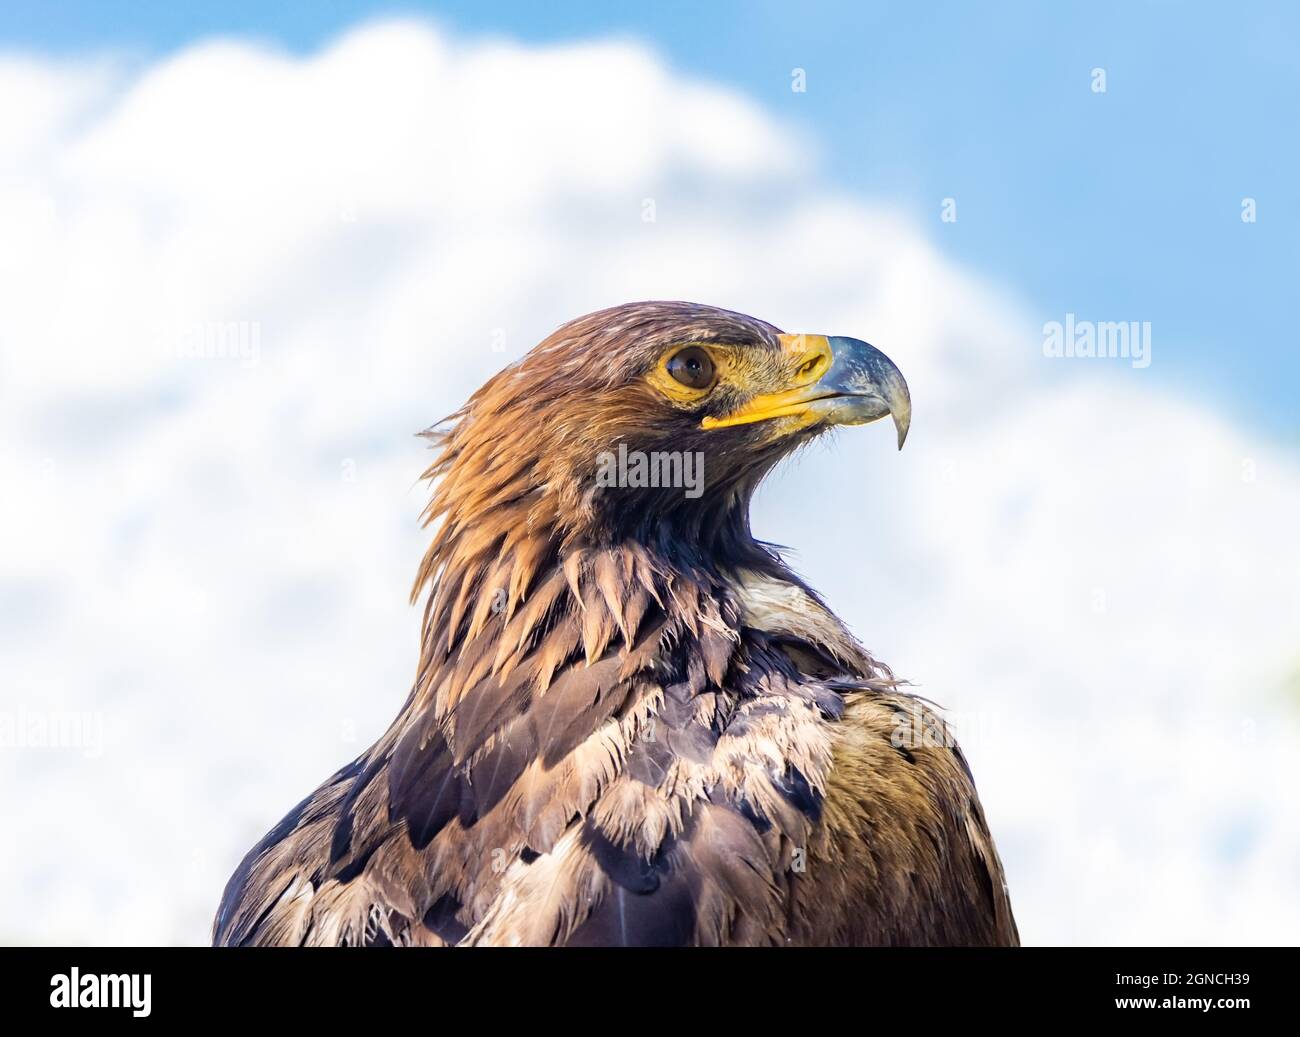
x=692, y=367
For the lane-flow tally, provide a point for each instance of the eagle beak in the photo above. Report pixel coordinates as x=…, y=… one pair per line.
x=840, y=381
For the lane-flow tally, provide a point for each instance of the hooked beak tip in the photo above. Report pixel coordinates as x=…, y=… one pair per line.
x=860, y=368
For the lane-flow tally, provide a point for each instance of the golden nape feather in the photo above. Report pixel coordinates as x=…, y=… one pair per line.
x=631, y=723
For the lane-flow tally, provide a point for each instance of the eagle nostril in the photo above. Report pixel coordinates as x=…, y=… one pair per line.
x=812, y=366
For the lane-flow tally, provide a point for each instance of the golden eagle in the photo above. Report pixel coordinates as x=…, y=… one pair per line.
x=631, y=723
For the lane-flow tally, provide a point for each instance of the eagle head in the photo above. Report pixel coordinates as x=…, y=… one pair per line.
x=653, y=420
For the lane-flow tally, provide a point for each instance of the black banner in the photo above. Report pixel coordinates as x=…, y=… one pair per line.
x=160, y=986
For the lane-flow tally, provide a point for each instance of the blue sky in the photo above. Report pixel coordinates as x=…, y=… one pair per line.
x=1117, y=206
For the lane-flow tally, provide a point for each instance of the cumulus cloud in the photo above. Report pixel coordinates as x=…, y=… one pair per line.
x=235, y=281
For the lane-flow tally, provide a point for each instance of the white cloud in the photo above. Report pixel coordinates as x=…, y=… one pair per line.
x=214, y=551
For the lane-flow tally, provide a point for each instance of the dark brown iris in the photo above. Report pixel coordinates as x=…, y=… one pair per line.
x=693, y=367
